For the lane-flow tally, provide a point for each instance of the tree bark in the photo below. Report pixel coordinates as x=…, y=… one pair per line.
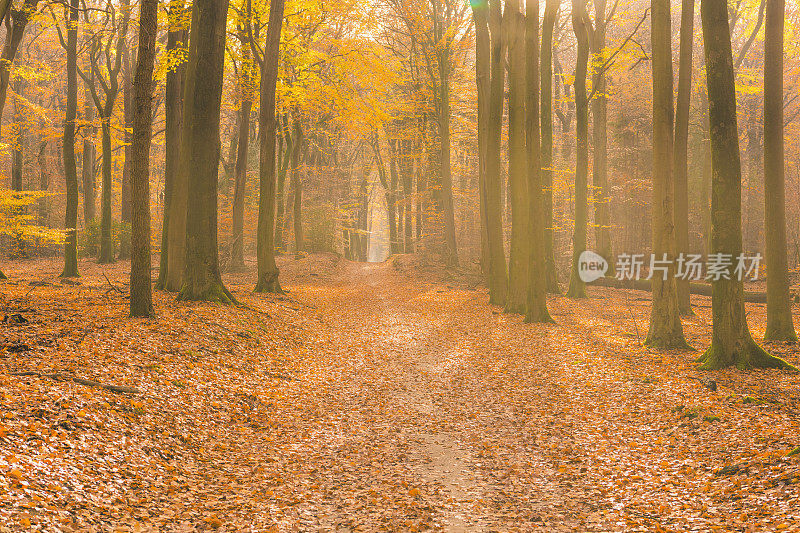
x=126, y=211
x=88, y=163
x=779, y=311
x=731, y=342
x=519, y=253
x=601, y=191
x=70, y=167
x=267, y=269
x=141, y=304
x=171, y=271
x=666, y=330
x=577, y=288
x=498, y=273
x=680, y=154
x=548, y=25
x=537, y=265
x=240, y=183
x=200, y=151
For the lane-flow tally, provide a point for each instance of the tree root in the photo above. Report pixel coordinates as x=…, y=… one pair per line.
x=748, y=357
x=81, y=381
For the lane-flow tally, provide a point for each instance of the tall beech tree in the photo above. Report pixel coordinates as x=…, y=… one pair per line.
x=519, y=253
x=680, y=161
x=177, y=36
x=247, y=81
x=498, y=273
x=731, y=342
x=577, y=288
x=480, y=18
x=600, y=187
x=68, y=147
x=265, y=245
x=666, y=330
x=88, y=157
x=537, y=265
x=546, y=162
x=105, y=62
x=779, y=309
x=199, y=157
x=141, y=303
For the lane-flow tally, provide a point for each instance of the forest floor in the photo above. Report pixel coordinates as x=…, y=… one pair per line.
x=377, y=397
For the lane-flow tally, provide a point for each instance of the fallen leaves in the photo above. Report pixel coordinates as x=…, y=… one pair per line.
x=375, y=398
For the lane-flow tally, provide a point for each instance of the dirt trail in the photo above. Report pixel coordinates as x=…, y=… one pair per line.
x=380, y=397
x=437, y=410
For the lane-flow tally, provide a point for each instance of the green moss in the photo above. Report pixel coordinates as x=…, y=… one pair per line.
x=711, y=418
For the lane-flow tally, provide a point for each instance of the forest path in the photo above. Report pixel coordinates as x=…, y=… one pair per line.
x=409, y=404
x=378, y=397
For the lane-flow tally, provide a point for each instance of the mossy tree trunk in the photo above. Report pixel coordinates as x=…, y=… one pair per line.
x=546, y=67
x=666, y=330
x=731, y=342
x=680, y=153
x=577, y=288
x=267, y=269
x=200, y=151
x=519, y=253
x=537, y=265
x=141, y=304
x=779, y=310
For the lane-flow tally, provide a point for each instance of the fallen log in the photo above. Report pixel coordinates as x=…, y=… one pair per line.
x=695, y=287
x=80, y=381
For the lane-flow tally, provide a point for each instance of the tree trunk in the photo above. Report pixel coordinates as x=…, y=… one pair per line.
x=548, y=24
x=173, y=112
x=577, y=288
x=17, y=144
x=388, y=195
x=537, y=264
x=602, y=193
x=200, y=151
x=446, y=192
x=498, y=273
x=519, y=253
x=126, y=211
x=267, y=269
x=779, y=310
x=44, y=182
x=106, y=243
x=291, y=156
x=70, y=167
x=297, y=211
x=680, y=154
x=665, y=330
x=731, y=342
x=88, y=163
x=240, y=182
x=141, y=296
